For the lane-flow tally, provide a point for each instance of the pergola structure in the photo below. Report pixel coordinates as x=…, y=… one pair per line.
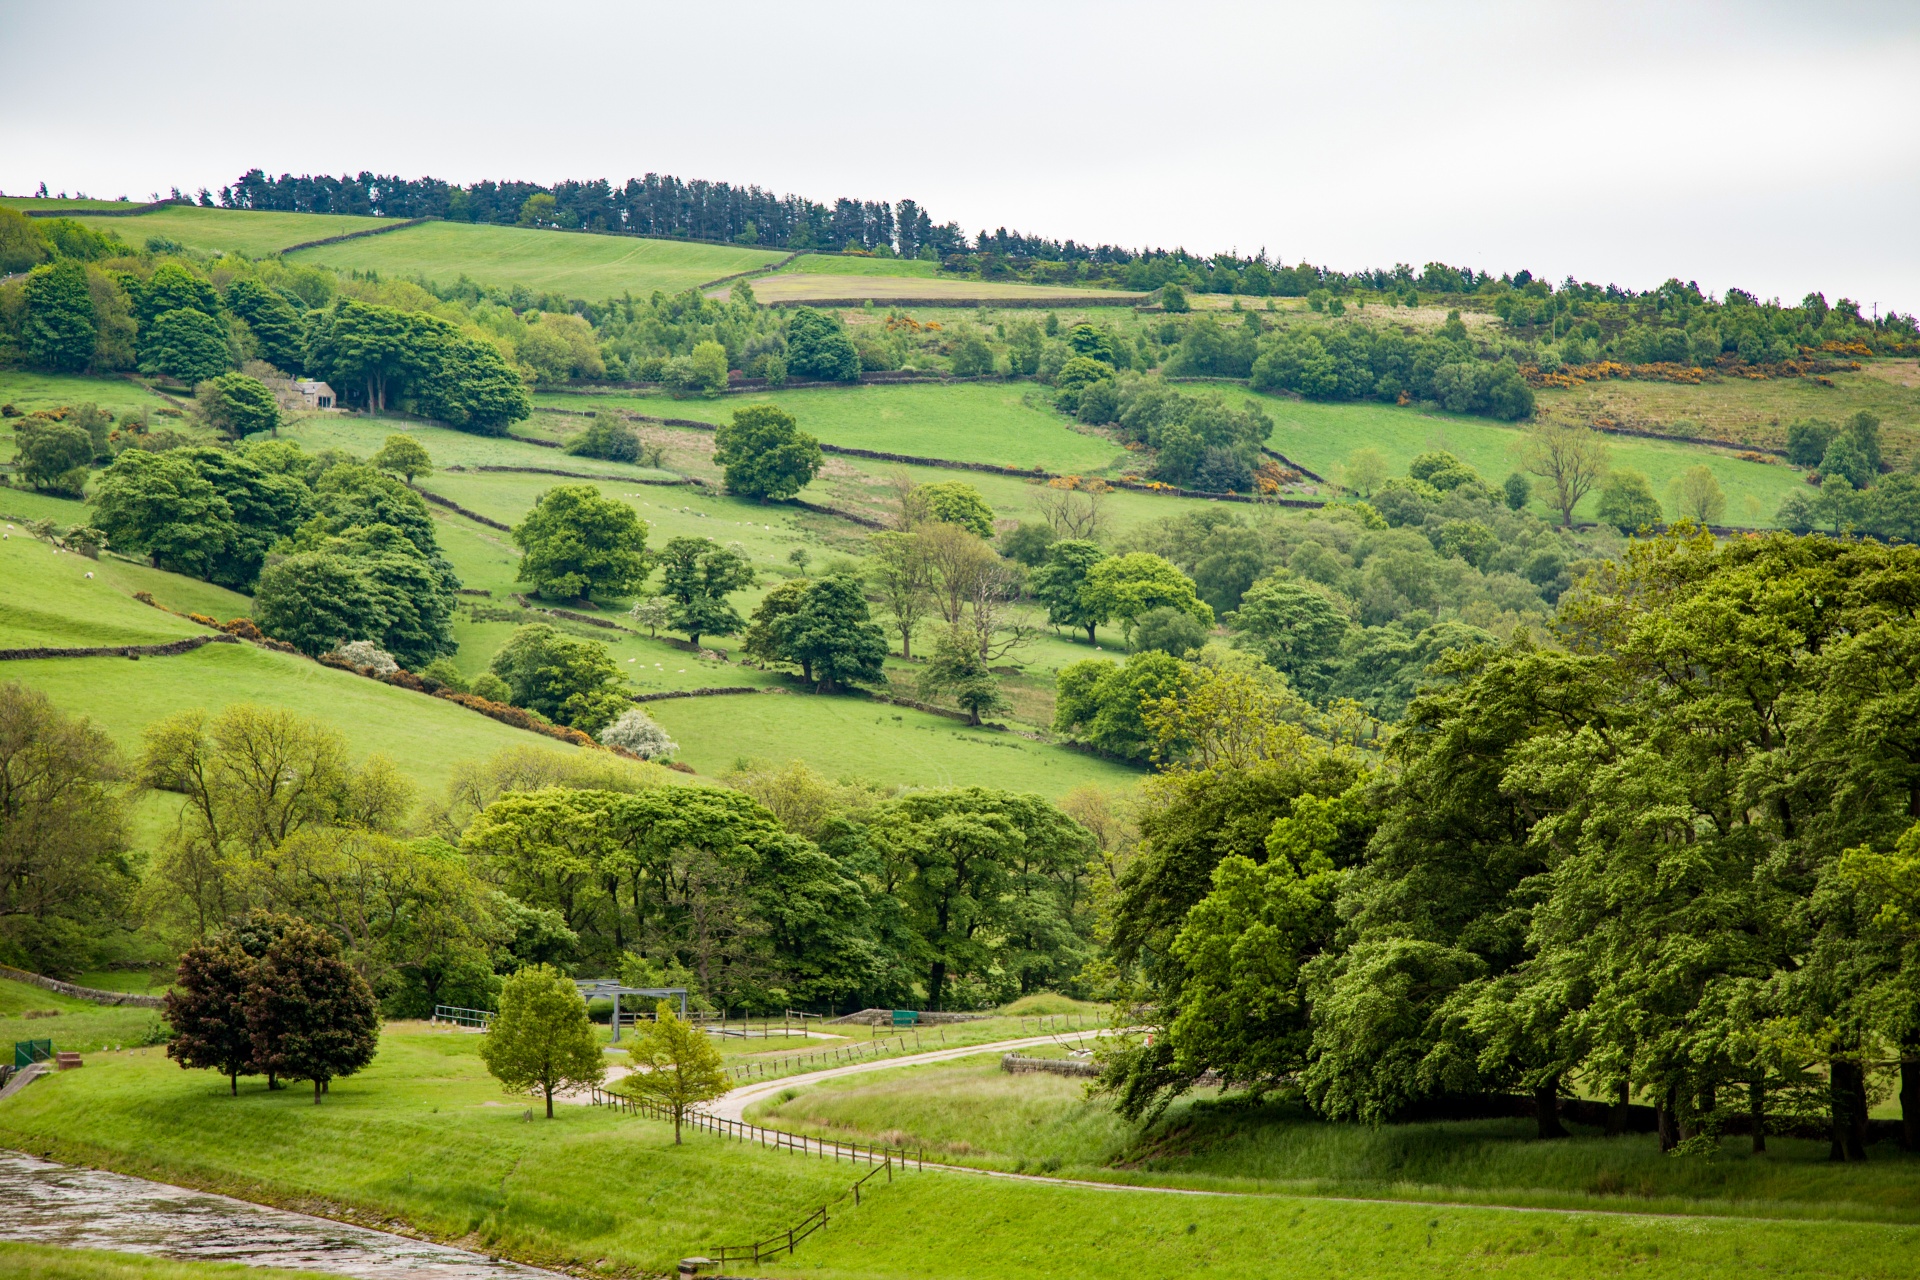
x=605, y=988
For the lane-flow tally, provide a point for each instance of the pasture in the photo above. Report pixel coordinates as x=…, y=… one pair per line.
x=23, y=1261
x=30, y=1013
x=794, y=286
x=255, y=233
x=570, y=263
x=424, y=1138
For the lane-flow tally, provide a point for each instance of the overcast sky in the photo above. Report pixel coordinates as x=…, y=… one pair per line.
x=1771, y=146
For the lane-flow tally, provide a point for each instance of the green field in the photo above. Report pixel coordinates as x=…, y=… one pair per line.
x=425, y=1138
x=256, y=234
x=28, y=391
x=836, y=264
x=574, y=264
x=48, y=600
x=812, y=286
x=1001, y=423
x=47, y=1262
x=73, y=1025
x=1322, y=436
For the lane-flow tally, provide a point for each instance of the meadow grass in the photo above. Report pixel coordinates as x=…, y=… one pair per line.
x=1322, y=436
x=21, y=1261
x=46, y=599
x=424, y=736
x=425, y=1137
x=573, y=264
x=810, y=286
x=834, y=264
x=77, y=1025
x=994, y=422
x=76, y=204
x=28, y=391
x=253, y=232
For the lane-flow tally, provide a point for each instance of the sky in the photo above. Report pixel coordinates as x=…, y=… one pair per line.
x=1772, y=146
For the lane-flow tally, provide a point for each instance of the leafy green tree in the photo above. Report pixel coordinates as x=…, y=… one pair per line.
x=1627, y=502
x=317, y=601
x=207, y=1009
x=1104, y=704
x=312, y=1016
x=52, y=455
x=710, y=366
x=278, y=332
x=1028, y=543
x=953, y=502
x=818, y=347
x=1365, y=470
x=1807, y=441
x=160, y=506
x=1024, y=345
x=1061, y=584
x=570, y=681
x=698, y=575
x=957, y=671
x=466, y=383
x=1845, y=460
x=1168, y=630
x=1173, y=298
x=1127, y=586
x=676, y=1065
x=822, y=627
x=1517, y=490
x=358, y=345
x=403, y=456
x=972, y=357
x=1573, y=460
x=173, y=286
x=237, y=405
x=606, y=437
x=965, y=864
x=21, y=244
x=1296, y=629
x=578, y=544
x=188, y=346
x=541, y=1040
x=898, y=566
x=1697, y=496
x=58, y=332
x=765, y=454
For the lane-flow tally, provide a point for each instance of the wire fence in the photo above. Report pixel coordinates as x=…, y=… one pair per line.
x=462, y=1017
x=882, y=1162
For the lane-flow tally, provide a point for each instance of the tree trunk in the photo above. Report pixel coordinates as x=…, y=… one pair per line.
x=373, y=404
x=549, y=1089
x=1617, y=1113
x=1910, y=1103
x=1669, y=1132
x=1757, y=1113
x=936, y=979
x=1846, y=1095
x=1090, y=635
x=233, y=1079
x=677, y=1112
x=316, y=1091
x=906, y=643
x=1546, y=1109
x=273, y=1082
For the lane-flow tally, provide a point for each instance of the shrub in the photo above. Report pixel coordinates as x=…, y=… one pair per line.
x=364, y=653
x=490, y=687
x=638, y=732
x=444, y=673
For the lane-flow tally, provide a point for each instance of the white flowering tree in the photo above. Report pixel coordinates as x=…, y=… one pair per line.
x=636, y=731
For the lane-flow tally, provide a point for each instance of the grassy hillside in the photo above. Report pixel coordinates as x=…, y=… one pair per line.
x=573, y=264
x=254, y=233
x=21, y=1261
x=28, y=391
x=1002, y=423
x=424, y=1137
x=46, y=599
x=811, y=286
x=76, y=1026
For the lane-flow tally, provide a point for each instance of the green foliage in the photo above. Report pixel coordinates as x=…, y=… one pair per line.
x=278, y=331
x=378, y=356
x=1028, y=543
x=52, y=455
x=1167, y=629
x=953, y=502
x=606, y=437
x=1173, y=298
x=21, y=245
x=1517, y=490
x=1297, y=630
x=579, y=544
x=675, y=1065
x=316, y=601
x=957, y=672
x=1198, y=441
x=540, y=1040
x=1104, y=703
x=58, y=333
x=237, y=405
x=698, y=575
x=824, y=628
x=1061, y=585
x=572, y=682
x=765, y=454
x=1125, y=587
x=207, y=513
x=818, y=348
x=1356, y=362
x=1627, y=502
x=186, y=345
x=403, y=456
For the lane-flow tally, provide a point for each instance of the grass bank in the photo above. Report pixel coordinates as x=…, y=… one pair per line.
x=19, y=1261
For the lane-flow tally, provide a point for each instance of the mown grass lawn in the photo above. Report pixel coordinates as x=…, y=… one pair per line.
x=253, y=232
x=426, y=1137
x=20, y=1261
x=570, y=263
x=76, y=1025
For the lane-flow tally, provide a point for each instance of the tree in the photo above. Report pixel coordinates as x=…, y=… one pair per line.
x=824, y=628
x=21, y=245
x=1571, y=459
x=1028, y=543
x=1296, y=629
x=710, y=366
x=1365, y=470
x=765, y=454
x=173, y=286
x=355, y=343
x=1104, y=704
x=64, y=867
x=1517, y=490
x=311, y=1015
x=1627, y=502
x=652, y=613
x=818, y=347
x=59, y=332
x=1061, y=584
x=578, y=543
x=638, y=732
x=160, y=506
x=952, y=502
x=52, y=455
x=541, y=1039
x=1125, y=587
x=187, y=346
x=1696, y=495
x=207, y=1009
x=698, y=575
x=572, y=682
x=1168, y=630
x=957, y=671
x=606, y=437
x=1807, y=441
x=317, y=601
x=402, y=455
x=675, y=1065
x=897, y=565
x=236, y=405
x=1846, y=460
x=277, y=330
x=1173, y=298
